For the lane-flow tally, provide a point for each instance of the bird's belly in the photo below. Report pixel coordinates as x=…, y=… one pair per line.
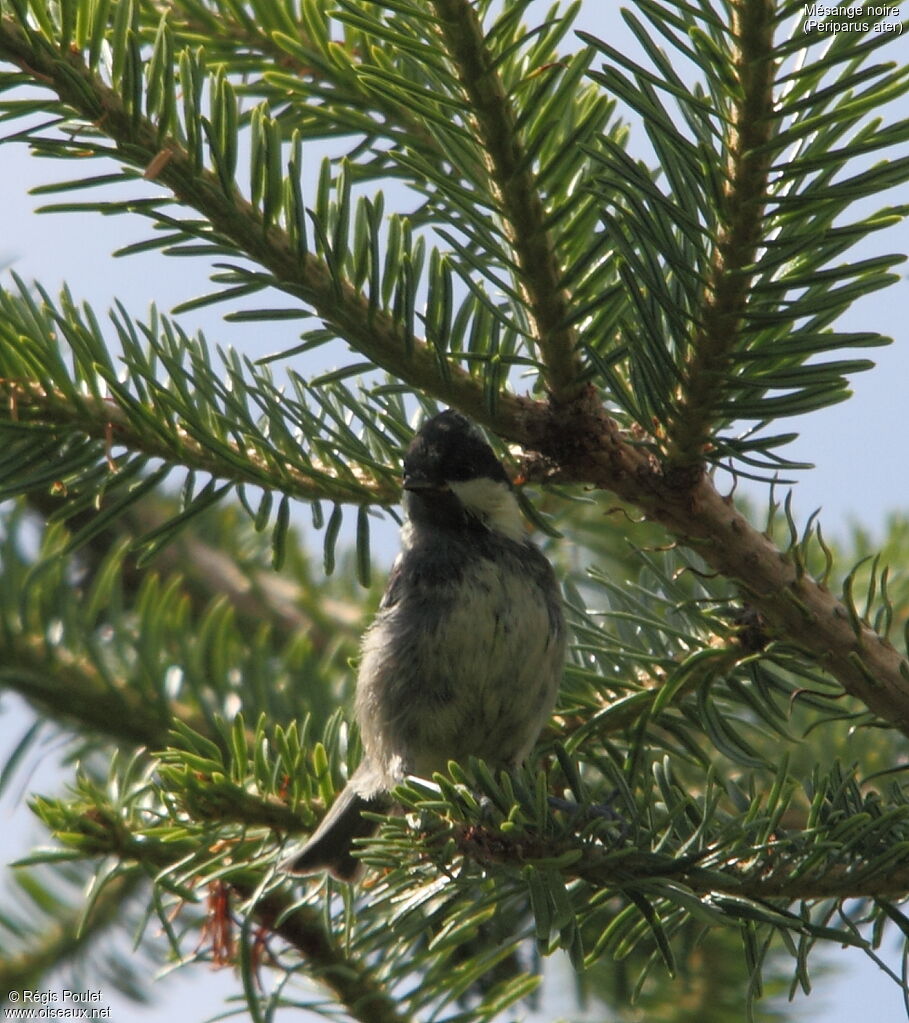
x=461, y=678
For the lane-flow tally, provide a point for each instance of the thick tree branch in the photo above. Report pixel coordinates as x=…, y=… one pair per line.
x=354, y=985
x=587, y=447
x=516, y=192
x=102, y=831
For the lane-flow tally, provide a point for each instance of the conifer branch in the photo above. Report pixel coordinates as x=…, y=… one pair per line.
x=106, y=420
x=236, y=31
x=588, y=447
x=767, y=876
x=741, y=221
x=69, y=688
x=67, y=938
x=370, y=331
x=352, y=982
x=102, y=832
x=702, y=293
x=209, y=573
x=513, y=182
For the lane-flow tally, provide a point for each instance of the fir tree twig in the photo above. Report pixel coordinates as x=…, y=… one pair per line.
x=512, y=177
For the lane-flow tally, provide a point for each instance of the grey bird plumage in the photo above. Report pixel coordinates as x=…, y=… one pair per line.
x=466, y=652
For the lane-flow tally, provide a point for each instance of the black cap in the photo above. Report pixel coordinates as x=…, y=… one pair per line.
x=448, y=448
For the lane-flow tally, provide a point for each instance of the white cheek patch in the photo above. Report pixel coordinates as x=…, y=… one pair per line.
x=492, y=501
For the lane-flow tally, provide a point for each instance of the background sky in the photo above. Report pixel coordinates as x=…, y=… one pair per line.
x=858, y=450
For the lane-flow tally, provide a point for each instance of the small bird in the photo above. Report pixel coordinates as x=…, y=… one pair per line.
x=466, y=652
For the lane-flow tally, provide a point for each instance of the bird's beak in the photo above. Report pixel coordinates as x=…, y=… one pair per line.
x=419, y=481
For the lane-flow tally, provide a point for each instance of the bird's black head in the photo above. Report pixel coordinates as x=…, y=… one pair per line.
x=449, y=449
x=453, y=480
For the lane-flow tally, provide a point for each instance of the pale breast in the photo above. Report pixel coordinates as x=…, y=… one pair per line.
x=466, y=661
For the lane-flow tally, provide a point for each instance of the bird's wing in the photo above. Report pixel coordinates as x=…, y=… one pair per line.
x=392, y=592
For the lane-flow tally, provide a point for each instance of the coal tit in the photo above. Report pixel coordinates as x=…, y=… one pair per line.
x=466, y=652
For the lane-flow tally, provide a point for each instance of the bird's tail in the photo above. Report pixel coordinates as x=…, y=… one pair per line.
x=329, y=846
